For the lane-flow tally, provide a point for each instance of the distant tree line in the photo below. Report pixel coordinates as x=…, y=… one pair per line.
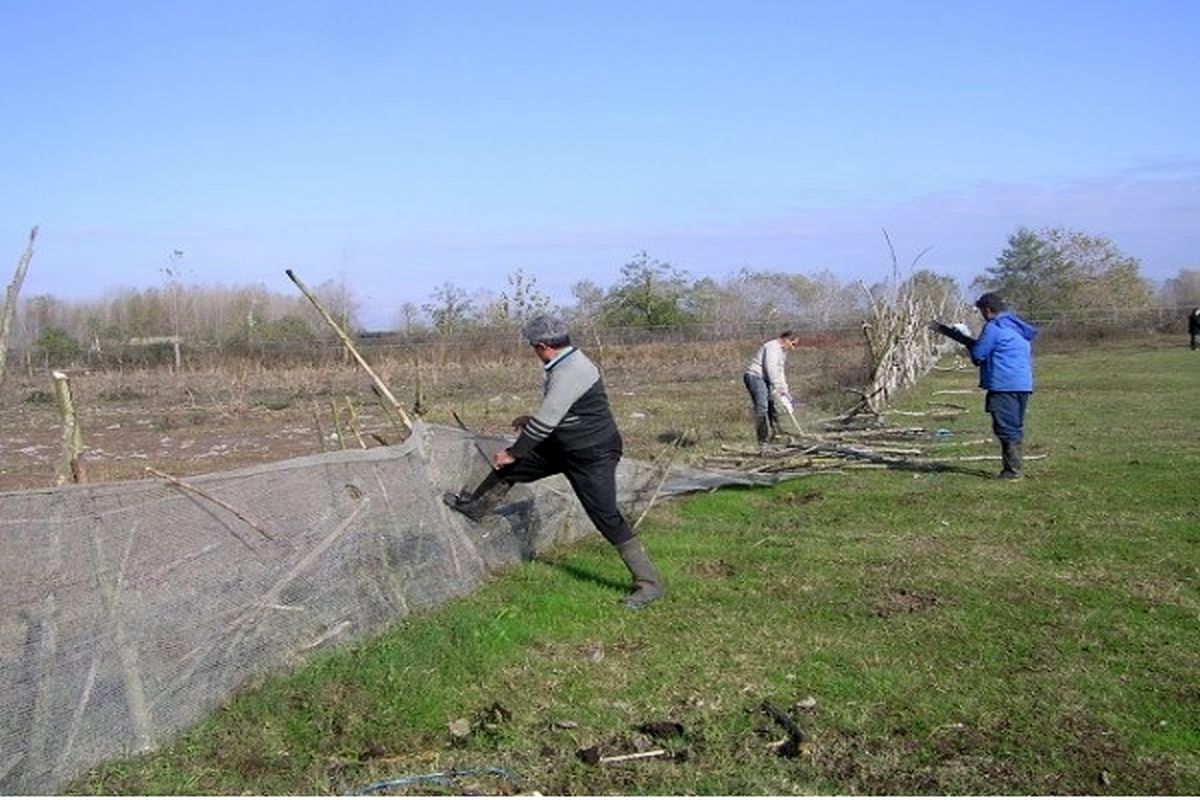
x=1046, y=274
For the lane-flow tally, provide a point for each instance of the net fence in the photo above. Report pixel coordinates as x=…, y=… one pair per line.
x=133, y=609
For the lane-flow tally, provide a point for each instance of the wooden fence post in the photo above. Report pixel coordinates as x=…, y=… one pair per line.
x=72, y=468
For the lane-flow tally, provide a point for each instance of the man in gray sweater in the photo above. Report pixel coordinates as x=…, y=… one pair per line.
x=572, y=432
x=766, y=381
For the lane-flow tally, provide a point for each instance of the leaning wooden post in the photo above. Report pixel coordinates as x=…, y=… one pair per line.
x=317, y=422
x=419, y=404
x=353, y=422
x=72, y=469
x=10, y=300
x=337, y=424
x=379, y=384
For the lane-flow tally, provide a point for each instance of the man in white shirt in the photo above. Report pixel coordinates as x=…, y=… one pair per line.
x=767, y=383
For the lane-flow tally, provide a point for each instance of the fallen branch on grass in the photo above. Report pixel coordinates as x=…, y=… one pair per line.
x=632, y=756
x=856, y=448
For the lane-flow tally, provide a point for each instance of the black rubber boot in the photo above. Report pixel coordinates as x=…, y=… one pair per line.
x=1016, y=458
x=1012, y=456
x=482, y=501
x=762, y=429
x=647, y=584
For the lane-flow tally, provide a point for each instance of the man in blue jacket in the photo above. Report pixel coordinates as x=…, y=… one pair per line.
x=1004, y=355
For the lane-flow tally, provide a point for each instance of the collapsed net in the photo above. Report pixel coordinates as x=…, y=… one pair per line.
x=133, y=609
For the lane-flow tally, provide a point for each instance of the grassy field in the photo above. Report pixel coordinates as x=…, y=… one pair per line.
x=930, y=633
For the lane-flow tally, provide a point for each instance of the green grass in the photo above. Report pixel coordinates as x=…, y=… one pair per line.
x=958, y=635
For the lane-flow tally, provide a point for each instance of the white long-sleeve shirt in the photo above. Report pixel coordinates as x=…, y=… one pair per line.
x=768, y=363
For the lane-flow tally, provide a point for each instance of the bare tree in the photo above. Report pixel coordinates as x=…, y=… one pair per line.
x=10, y=299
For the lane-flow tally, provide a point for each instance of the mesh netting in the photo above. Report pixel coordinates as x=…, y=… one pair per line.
x=133, y=609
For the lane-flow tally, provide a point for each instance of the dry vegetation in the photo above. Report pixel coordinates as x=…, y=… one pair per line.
x=201, y=420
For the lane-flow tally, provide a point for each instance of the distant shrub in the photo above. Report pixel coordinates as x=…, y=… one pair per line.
x=55, y=347
x=39, y=396
x=122, y=394
x=272, y=400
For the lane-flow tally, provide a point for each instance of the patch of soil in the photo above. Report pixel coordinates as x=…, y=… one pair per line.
x=712, y=569
x=127, y=429
x=799, y=498
x=902, y=601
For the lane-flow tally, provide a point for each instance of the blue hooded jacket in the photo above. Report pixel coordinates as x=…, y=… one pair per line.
x=1003, y=354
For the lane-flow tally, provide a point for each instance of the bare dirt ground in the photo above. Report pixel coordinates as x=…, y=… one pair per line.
x=158, y=425
x=209, y=420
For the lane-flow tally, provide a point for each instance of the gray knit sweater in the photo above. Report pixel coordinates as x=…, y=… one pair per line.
x=574, y=412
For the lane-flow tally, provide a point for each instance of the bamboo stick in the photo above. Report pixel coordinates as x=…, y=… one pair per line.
x=198, y=491
x=666, y=471
x=379, y=384
x=631, y=756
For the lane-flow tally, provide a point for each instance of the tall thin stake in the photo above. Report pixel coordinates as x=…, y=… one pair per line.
x=353, y=422
x=379, y=384
x=10, y=299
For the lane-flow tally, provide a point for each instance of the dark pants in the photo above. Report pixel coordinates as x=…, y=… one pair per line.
x=592, y=473
x=760, y=396
x=1194, y=334
x=1008, y=414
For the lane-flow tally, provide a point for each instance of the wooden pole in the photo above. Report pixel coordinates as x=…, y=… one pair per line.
x=317, y=422
x=666, y=471
x=353, y=422
x=337, y=424
x=71, y=470
x=379, y=384
x=419, y=404
x=10, y=299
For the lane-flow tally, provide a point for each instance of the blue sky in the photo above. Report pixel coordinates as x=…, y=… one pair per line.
x=401, y=145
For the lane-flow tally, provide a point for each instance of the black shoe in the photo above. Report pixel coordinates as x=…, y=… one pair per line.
x=465, y=504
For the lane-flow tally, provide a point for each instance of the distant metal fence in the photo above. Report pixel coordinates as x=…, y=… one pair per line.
x=483, y=344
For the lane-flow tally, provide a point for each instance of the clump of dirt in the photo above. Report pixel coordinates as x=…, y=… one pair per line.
x=713, y=569
x=902, y=601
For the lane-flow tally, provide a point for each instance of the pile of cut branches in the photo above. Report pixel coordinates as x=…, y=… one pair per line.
x=900, y=348
x=911, y=447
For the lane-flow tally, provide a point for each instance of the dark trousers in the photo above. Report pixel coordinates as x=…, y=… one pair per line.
x=1194, y=334
x=761, y=398
x=1008, y=414
x=592, y=473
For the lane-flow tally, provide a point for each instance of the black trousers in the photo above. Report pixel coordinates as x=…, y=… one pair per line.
x=592, y=473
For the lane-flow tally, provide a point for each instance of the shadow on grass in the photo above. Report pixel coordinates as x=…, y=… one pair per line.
x=586, y=575
x=955, y=469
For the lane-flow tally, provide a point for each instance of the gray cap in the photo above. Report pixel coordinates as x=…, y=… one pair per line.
x=544, y=328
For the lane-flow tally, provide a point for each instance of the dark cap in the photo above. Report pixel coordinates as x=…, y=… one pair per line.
x=991, y=301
